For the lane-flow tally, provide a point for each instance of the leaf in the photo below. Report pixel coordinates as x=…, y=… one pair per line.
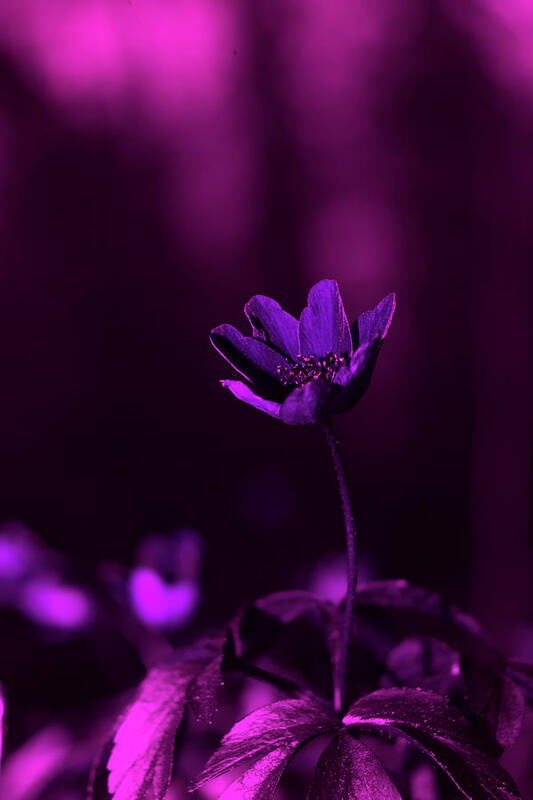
x=304, y=608
x=288, y=606
x=522, y=674
x=260, y=781
x=436, y=617
x=412, y=707
x=423, y=783
x=140, y=764
x=498, y=700
x=482, y=663
x=347, y=770
x=509, y=714
x=475, y=774
x=202, y=691
x=441, y=732
x=283, y=725
x=419, y=662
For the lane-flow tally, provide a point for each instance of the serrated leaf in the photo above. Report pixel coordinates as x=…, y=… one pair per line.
x=476, y=775
x=418, y=709
x=441, y=732
x=202, y=691
x=140, y=764
x=280, y=725
x=260, y=781
x=347, y=770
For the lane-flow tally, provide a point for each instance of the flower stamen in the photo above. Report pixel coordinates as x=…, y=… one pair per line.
x=311, y=368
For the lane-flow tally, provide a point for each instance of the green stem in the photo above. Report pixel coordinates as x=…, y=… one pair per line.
x=339, y=691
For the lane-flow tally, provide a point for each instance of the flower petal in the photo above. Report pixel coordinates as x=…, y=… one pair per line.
x=273, y=325
x=375, y=323
x=324, y=326
x=252, y=358
x=245, y=393
x=305, y=405
x=355, y=378
x=358, y=362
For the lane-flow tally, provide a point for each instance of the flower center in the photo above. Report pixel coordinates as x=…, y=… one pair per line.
x=311, y=368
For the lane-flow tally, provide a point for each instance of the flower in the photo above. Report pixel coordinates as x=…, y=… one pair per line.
x=303, y=371
x=164, y=586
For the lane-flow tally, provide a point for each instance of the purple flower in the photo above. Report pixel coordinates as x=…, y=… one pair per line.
x=303, y=371
x=164, y=587
x=162, y=605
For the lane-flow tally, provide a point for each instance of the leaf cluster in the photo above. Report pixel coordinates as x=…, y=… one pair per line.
x=421, y=673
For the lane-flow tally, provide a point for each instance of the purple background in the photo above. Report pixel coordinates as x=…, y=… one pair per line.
x=162, y=161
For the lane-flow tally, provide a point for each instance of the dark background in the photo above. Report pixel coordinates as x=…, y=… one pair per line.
x=160, y=162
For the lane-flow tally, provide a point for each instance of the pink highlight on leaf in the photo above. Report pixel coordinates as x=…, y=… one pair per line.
x=140, y=764
x=141, y=759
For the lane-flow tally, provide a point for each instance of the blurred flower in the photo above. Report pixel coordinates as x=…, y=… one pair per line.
x=159, y=604
x=30, y=768
x=48, y=601
x=328, y=579
x=164, y=587
x=31, y=581
x=21, y=553
x=303, y=371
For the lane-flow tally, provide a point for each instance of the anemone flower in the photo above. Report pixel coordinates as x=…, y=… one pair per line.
x=303, y=371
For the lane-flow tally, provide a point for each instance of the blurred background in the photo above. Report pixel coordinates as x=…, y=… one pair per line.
x=163, y=160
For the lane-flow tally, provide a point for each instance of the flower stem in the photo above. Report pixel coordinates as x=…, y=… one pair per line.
x=339, y=690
